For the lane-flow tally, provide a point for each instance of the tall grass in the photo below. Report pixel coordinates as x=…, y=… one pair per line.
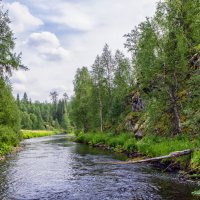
x=122, y=142
x=27, y=134
x=151, y=146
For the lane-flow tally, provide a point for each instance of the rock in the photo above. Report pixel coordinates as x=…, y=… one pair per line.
x=138, y=135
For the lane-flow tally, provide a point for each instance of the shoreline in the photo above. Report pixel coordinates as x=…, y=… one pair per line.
x=15, y=150
x=181, y=166
x=167, y=166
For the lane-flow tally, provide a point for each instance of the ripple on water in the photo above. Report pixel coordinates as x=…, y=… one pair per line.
x=56, y=169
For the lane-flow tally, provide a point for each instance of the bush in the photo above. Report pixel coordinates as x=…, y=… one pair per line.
x=8, y=136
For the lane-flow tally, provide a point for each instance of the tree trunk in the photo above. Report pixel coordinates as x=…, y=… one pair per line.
x=101, y=113
x=177, y=120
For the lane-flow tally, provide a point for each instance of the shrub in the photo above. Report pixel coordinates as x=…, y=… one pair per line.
x=8, y=136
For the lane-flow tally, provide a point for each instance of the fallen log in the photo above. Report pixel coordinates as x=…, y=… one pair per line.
x=171, y=155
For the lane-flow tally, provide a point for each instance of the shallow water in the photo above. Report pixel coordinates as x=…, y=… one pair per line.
x=56, y=168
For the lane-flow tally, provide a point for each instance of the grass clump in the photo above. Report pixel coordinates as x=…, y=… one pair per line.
x=119, y=143
x=27, y=134
x=159, y=146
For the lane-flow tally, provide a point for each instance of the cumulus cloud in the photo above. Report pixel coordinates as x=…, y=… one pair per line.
x=57, y=37
x=72, y=16
x=22, y=19
x=47, y=46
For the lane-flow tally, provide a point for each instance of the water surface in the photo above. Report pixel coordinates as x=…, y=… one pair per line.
x=57, y=169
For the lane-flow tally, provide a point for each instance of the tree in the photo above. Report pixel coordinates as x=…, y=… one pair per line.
x=9, y=113
x=122, y=84
x=80, y=104
x=66, y=121
x=161, y=49
x=107, y=63
x=54, y=97
x=9, y=61
x=99, y=82
x=25, y=98
x=65, y=97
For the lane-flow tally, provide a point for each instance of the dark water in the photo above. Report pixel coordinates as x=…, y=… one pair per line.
x=55, y=168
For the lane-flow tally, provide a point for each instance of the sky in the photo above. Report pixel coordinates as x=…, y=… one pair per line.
x=58, y=36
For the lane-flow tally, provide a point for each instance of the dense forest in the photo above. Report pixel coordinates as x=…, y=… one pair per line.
x=157, y=91
x=149, y=103
x=44, y=116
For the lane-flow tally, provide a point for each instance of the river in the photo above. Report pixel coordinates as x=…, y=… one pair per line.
x=55, y=168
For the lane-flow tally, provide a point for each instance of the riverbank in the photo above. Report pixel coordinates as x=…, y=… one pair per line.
x=9, y=147
x=150, y=146
x=27, y=134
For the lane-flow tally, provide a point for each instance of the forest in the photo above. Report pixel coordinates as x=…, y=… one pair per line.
x=44, y=116
x=157, y=91
x=147, y=102
x=154, y=96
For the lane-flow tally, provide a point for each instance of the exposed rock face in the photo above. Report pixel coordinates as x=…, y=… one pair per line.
x=137, y=103
x=138, y=135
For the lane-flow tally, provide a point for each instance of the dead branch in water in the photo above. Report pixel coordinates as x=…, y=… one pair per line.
x=171, y=155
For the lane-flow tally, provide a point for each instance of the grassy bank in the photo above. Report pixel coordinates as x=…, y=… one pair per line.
x=27, y=134
x=151, y=146
x=8, y=140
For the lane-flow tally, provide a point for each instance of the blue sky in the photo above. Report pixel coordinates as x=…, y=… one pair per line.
x=58, y=36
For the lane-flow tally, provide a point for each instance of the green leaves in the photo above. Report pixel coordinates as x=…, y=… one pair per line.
x=161, y=49
x=9, y=61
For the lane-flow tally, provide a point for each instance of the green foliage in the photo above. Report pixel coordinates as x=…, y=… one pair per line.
x=8, y=136
x=80, y=111
x=9, y=113
x=195, y=161
x=41, y=116
x=130, y=145
x=154, y=146
x=9, y=61
x=9, y=119
x=99, y=95
x=119, y=143
x=161, y=49
x=5, y=149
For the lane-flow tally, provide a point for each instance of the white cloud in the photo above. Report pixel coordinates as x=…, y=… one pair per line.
x=73, y=33
x=22, y=19
x=47, y=46
x=72, y=16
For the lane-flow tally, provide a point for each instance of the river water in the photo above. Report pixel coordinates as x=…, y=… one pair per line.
x=57, y=169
